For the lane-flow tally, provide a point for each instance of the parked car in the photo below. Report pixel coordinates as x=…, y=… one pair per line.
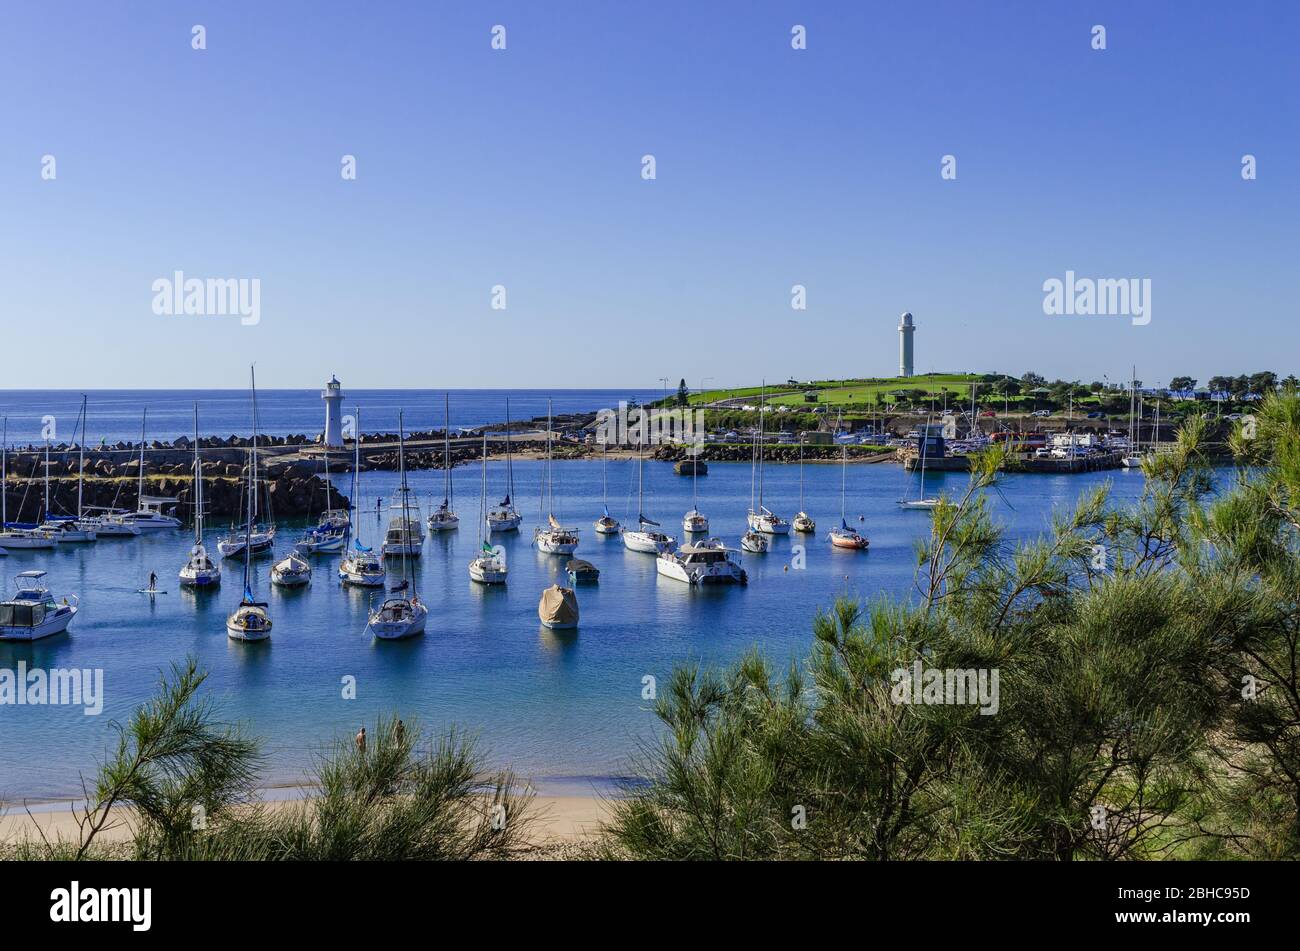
x=988, y=412
x=1041, y=413
x=1097, y=415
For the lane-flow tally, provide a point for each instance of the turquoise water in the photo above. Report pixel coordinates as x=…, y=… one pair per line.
x=563, y=708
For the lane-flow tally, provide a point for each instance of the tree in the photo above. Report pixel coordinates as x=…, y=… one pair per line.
x=683, y=393
x=1182, y=383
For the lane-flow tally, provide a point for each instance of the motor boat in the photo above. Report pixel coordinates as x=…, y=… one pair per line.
x=32, y=613
x=582, y=572
x=704, y=562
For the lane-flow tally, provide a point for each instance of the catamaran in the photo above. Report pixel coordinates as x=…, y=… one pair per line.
x=844, y=536
x=199, y=571
x=250, y=622
x=505, y=518
x=803, y=522
x=405, y=535
x=32, y=612
x=606, y=524
x=401, y=616
x=762, y=519
x=443, y=519
x=703, y=562
x=551, y=537
x=921, y=501
x=360, y=566
x=644, y=537
x=486, y=568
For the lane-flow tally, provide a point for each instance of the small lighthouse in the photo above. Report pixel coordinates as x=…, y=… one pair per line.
x=905, y=330
x=333, y=397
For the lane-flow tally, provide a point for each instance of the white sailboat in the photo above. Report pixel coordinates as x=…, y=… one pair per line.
x=606, y=524
x=803, y=522
x=70, y=529
x=250, y=620
x=486, y=568
x=259, y=538
x=644, y=538
x=921, y=501
x=845, y=536
x=551, y=537
x=293, y=571
x=505, y=518
x=16, y=536
x=330, y=534
x=401, y=617
x=360, y=566
x=443, y=518
x=1133, y=458
x=149, y=515
x=695, y=522
x=199, y=571
x=405, y=535
x=762, y=519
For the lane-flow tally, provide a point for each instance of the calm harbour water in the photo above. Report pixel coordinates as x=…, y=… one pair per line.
x=563, y=708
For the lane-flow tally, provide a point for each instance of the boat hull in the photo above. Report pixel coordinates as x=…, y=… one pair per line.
x=29, y=542
x=486, y=571
x=400, y=630
x=606, y=526
x=504, y=523
x=53, y=624
x=849, y=540
x=648, y=543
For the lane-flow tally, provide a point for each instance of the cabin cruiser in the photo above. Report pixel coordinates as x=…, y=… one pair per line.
x=32, y=613
x=150, y=516
x=703, y=562
x=405, y=536
x=112, y=524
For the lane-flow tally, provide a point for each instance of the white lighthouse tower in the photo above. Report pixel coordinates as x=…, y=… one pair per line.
x=333, y=397
x=905, y=330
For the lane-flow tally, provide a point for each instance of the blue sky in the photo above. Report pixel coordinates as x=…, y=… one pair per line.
x=522, y=168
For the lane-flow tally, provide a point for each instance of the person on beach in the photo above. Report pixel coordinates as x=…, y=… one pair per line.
x=361, y=741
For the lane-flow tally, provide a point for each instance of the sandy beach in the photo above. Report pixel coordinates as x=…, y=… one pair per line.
x=558, y=821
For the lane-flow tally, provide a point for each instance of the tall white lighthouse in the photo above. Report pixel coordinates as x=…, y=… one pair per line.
x=905, y=331
x=333, y=397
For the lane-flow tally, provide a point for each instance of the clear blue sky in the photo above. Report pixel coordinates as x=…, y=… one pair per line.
x=522, y=168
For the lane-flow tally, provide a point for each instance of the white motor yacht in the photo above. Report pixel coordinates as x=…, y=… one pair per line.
x=704, y=562
x=32, y=613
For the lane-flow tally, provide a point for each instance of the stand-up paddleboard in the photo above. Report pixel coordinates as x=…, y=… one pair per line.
x=149, y=591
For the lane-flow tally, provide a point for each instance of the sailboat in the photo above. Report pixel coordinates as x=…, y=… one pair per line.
x=763, y=519
x=293, y=571
x=505, y=518
x=443, y=519
x=606, y=524
x=844, y=536
x=1133, y=458
x=70, y=528
x=405, y=535
x=199, y=571
x=258, y=539
x=330, y=533
x=803, y=522
x=695, y=522
x=250, y=622
x=360, y=566
x=401, y=616
x=16, y=535
x=921, y=501
x=148, y=516
x=551, y=537
x=485, y=568
x=644, y=537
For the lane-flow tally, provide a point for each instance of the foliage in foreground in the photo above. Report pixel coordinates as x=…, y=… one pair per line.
x=185, y=786
x=1148, y=702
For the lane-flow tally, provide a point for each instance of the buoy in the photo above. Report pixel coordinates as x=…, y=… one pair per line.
x=786, y=568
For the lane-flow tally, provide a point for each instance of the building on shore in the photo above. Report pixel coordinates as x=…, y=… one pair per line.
x=905, y=330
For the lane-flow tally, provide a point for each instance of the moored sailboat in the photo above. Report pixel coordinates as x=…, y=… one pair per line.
x=487, y=567
x=644, y=537
x=361, y=566
x=551, y=537
x=199, y=571
x=844, y=536
x=759, y=517
x=401, y=616
x=250, y=620
x=505, y=518
x=443, y=518
x=803, y=522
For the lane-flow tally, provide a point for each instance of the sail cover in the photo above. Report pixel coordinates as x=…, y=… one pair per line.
x=559, y=606
x=554, y=524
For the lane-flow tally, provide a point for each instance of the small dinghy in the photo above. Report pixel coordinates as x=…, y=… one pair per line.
x=582, y=572
x=558, y=608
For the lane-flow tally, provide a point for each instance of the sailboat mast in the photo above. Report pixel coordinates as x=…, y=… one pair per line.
x=550, y=473
x=139, y=489
x=640, y=476
x=446, y=449
x=356, y=468
x=482, y=504
x=406, y=524
x=252, y=483
x=47, y=476
x=198, y=482
x=801, y=508
x=4, y=476
x=81, y=457
x=762, y=405
x=510, y=466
